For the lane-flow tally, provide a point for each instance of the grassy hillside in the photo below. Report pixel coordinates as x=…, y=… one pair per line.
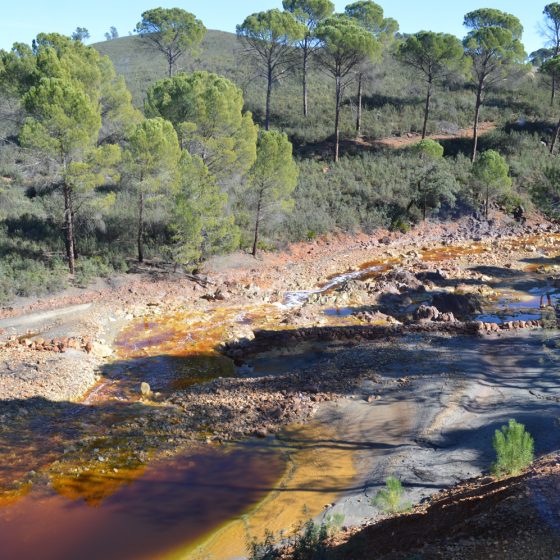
x=142, y=66
x=393, y=97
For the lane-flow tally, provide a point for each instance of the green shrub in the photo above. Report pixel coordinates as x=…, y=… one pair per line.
x=400, y=224
x=89, y=268
x=22, y=276
x=263, y=550
x=390, y=499
x=334, y=522
x=514, y=449
x=310, y=543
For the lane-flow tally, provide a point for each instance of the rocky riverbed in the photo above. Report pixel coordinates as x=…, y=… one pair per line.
x=410, y=348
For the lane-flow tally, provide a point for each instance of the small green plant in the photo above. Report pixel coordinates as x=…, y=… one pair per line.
x=514, y=449
x=263, y=550
x=334, y=522
x=310, y=542
x=400, y=224
x=390, y=499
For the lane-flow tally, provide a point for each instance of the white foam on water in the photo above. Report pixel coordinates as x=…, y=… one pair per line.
x=296, y=299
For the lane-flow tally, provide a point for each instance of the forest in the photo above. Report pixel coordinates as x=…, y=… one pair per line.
x=177, y=143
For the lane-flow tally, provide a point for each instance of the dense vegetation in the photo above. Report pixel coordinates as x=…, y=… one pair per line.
x=154, y=146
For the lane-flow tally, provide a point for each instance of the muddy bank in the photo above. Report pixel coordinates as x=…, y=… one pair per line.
x=265, y=340
x=458, y=392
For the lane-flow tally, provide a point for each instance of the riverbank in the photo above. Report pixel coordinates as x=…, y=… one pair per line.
x=239, y=280
x=408, y=388
x=480, y=518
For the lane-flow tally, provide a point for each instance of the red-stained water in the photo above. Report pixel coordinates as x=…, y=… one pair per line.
x=100, y=512
x=171, y=504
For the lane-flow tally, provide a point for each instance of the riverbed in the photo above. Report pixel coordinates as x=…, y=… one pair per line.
x=420, y=407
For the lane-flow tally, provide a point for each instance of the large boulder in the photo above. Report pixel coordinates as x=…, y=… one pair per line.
x=404, y=279
x=461, y=305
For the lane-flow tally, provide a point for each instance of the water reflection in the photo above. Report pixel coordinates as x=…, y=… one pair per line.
x=173, y=502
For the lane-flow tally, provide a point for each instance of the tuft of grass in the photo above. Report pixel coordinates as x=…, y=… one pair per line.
x=514, y=448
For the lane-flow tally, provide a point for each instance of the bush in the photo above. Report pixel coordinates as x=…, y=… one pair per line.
x=400, y=224
x=390, y=499
x=88, y=269
x=310, y=544
x=21, y=276
x=514, y=449
x=263, y=550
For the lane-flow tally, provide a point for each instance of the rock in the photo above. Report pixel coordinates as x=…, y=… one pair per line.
x=276, y=413
x=100, y=350
x=426, y=313
x=375, y=317
x=447, y=318
x=145, y=389
x=460, y=305
x=219, y=295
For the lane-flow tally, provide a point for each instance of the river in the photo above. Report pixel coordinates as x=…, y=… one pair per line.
x=211, y=500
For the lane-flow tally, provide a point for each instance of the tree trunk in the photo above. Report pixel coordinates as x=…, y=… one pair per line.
x=359, y=116
x=409, y=207
x=427, y=108
x=268, y=95
x=140, y=238
x=169, y=63
x=257, y=224
x=69, y=228
x=476, y=117
x=337, y=119
x=74, y=240
x=305, y=64
x=553, y=92
x=555, y=137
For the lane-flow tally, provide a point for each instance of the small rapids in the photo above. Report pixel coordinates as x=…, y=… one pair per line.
x=295, y=299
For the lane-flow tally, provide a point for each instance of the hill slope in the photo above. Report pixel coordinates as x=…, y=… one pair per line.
x=393, y=97
x=141, y=65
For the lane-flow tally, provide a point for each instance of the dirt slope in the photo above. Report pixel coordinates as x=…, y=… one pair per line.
x=516, y=519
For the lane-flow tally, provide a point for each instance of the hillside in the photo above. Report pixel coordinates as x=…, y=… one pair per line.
x=142, y=66
x=393, y=98
x=374, y=185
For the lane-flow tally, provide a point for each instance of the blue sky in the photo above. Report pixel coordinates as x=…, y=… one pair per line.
x=22, y=20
